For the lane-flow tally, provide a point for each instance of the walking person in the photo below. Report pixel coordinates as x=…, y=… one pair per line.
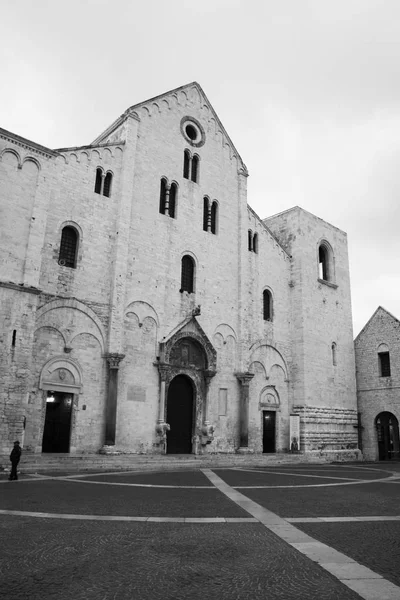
x=15, y=457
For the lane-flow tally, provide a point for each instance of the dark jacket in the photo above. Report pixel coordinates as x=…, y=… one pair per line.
x=15, y=454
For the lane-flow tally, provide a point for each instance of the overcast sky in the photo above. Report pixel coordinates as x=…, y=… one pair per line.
x=309, y=92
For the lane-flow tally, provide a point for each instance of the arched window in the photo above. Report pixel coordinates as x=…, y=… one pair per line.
x=334, y=356
x=214, y=214
x=163, y=195
x=323, y=263
x=99, y=181
x=267, y=305
x=187, y=274
x=326, y=266
x=195, y=168
x=186, y=164
x=206, y=205
x=68, y=247
x=250, y=240
x=255, y=243
x=172, y=199
x=107, y=185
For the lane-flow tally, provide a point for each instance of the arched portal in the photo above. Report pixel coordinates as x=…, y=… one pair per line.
x=180, y=408
x=387, y=427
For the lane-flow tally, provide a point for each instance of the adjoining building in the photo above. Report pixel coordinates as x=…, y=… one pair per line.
x=377, y=350
x=146, y=308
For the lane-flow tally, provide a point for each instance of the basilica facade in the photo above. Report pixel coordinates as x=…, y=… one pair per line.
x=146, y=308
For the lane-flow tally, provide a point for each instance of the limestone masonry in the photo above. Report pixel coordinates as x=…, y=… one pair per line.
x=146, y=308
x=377, y=350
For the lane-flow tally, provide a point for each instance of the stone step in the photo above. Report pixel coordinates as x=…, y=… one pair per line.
x=32, y=463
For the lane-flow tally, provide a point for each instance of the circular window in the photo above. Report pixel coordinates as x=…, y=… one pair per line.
x=193, y=132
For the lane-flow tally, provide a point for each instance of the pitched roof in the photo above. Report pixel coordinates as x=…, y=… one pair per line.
x=380, y=308
x=133, y=109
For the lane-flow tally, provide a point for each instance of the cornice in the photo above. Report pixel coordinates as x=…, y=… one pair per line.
x=20, y=287
x=26, y=144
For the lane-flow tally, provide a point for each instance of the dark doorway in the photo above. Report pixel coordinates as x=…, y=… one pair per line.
x=57, y=424
x=180, y=416
x=387, y=427
x=268, y=431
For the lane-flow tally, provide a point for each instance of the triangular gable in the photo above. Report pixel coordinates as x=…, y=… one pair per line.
x=190, y=328
x=368, y=323
x=189, y=94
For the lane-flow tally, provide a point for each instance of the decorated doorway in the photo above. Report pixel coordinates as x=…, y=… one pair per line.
x=57, y=424
x=180, y=415
x=387, y=427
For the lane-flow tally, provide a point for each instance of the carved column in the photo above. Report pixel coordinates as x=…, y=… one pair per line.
x=244, y=379
x=162, y=427
x=207, y=430
x=163, y=370
x=111, y=407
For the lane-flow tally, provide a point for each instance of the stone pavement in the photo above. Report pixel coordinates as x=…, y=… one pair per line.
x=295, y=532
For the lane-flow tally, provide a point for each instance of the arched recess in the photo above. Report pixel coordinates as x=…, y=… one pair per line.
x=72, y=303
x=269, y=356
x=11, y=152
x=387, y=429
x=61, y=375
x=142, y=310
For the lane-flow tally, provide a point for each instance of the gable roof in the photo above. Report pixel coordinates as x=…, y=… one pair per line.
x=379, y=309
x=193, y=85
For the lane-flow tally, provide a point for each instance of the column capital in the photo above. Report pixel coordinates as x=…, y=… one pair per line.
x=163, y=369
x=244, y=378
x=113, y=359
x=208, y=375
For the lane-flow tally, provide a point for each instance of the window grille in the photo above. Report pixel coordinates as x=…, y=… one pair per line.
x=187, y=275
x=68, y=247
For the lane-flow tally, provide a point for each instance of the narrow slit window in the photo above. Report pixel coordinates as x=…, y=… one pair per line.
x=384, y=364
x=98, y=182
x=187, y=274
x=186, y=164
x=14, y=338
x=163, y=194
x=68, y=247
x=172, y=200
x=205, y=213
x=195, y=168
x=214, y=213
x=250, y=240
x=334, y=354
x=107, y=185
x=255, y=243
x=267, y=305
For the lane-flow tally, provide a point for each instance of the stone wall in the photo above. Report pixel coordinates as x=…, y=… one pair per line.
x=377, y=394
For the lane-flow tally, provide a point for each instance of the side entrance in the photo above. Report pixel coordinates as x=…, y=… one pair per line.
x=57, y=424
